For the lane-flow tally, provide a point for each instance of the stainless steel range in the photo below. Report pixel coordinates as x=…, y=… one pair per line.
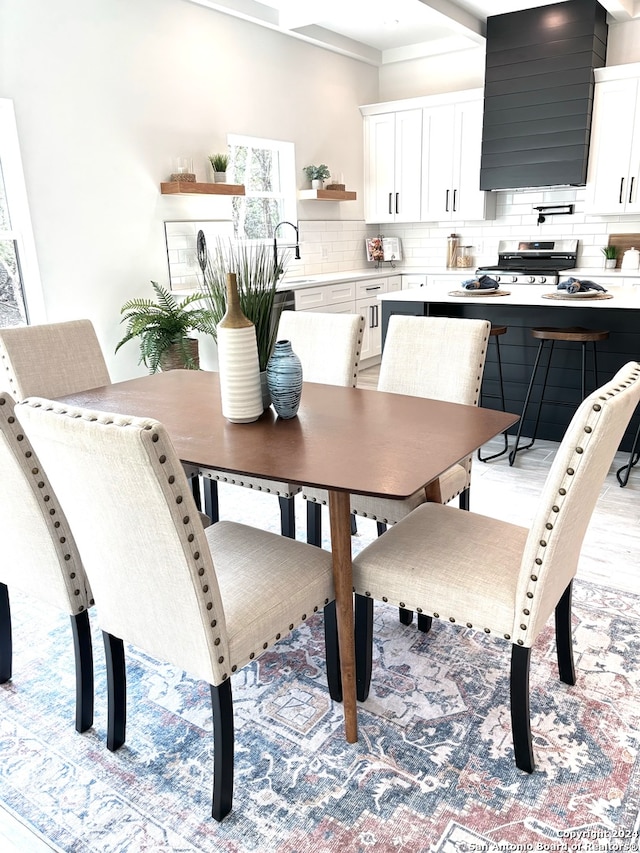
x=532, y=261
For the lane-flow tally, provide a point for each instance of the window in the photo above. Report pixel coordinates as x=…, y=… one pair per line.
x=266, y=167
x=20, y=292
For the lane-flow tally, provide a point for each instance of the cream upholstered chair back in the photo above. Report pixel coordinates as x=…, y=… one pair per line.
x=550, y=557
x=438, y=357
x=328, y=345
x=51, y=360
x=39, y=554
x=136, y=525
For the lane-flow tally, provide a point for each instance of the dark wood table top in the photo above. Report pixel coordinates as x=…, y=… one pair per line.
x=345, y=439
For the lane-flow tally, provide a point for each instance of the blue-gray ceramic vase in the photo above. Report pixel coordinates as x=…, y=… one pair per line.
x=284, y=379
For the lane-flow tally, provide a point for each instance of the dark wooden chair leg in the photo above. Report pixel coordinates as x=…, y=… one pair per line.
x=195, y=491
x=287, y=516
x=83, y=649
x=314, y=523
x=116, y=691
x=564, y=641
x=424, y=622
x=405, y=616
x=6, y=642
x=463, y=499
x=381, y=527
x=354, y=524
x=211, y=508
x=363, y=622
x=520, y=713
x=223, y=748
x=332, y=652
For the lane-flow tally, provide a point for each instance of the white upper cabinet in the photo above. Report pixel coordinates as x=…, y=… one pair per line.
x=451, y=144
x=614, y=158
x=422, y=160
x=393, y=154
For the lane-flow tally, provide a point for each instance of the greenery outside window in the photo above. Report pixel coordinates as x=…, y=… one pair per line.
x=266, y=167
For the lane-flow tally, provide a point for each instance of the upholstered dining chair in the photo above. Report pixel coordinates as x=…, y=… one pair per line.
x=438, y=357
x=54, y=360
x=488, y=575
x=39, y=555
x=328, y=346
x=207, y=601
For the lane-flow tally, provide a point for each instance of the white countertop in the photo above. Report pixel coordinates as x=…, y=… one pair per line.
x=519, y=294
x=608, y=278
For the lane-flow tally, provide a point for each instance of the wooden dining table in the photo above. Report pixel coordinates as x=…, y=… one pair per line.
x=344, y=440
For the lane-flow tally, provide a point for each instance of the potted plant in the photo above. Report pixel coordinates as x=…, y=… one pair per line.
x=257, y=279
x=162, y=328
x=219, y=164
x=317, y=175
x=610, y=256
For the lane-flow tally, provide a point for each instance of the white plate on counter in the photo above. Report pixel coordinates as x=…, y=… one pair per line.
x=579, y=294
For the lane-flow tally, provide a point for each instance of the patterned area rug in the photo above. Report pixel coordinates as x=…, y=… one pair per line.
x=432, y=771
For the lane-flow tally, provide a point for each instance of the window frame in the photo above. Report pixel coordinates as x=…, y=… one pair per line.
x=21, y=230
x=287, y=193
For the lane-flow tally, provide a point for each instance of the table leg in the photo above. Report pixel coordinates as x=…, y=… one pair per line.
x=340, y=519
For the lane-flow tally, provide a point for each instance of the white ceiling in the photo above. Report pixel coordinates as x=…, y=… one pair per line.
x=383, y=31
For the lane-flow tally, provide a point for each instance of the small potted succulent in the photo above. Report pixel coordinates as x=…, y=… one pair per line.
x=610, y=256
x=219, y=164
x=317, y=175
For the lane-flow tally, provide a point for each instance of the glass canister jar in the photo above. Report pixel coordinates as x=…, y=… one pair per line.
x=452, y=250
x=465, y=257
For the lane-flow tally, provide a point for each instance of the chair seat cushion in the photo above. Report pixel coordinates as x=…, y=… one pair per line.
x=267, y=583
x=442, y=560
x=452, y=482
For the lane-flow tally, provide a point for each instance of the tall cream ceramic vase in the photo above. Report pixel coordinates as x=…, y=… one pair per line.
x=238, y=362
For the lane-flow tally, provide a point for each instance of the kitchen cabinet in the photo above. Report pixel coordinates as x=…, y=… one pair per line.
x=392, y=164
x=352, y=298
x=411, y=280
x=451, y=146
x=614, y=160
x=422, y=160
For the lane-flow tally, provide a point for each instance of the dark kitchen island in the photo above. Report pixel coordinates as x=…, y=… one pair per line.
x=525, y=307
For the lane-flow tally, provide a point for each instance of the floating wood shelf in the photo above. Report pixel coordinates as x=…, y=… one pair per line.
x=326, y=195
x=194, y=188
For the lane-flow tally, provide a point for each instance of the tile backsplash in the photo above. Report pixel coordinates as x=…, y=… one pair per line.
x=333, y=246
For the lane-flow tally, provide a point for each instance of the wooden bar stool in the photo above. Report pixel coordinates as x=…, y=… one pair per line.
x=572, y=334
x=494, y=335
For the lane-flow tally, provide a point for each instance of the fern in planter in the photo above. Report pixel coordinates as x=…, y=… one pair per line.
x=163, y=327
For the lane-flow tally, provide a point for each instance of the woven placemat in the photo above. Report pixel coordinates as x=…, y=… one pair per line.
x=573, y=299
x=477, y=291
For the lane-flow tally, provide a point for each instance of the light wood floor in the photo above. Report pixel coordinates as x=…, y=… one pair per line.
x=609, y=556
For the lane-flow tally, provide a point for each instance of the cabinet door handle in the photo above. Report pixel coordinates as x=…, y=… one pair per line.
x=631, y=188
x=390, y=210
x=374, y=287
x=454, y=200
x=620, y=193
x=446, y=204
x=397, y=202
x=371, y=316
x=374, y=315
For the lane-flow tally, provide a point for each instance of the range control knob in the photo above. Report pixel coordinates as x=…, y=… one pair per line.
x=543, y=278
x=532, y=279
x=497, y=277
x=514, y=278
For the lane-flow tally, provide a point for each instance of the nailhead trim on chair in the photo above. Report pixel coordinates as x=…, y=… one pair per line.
x=58, y=525
x=543, y=543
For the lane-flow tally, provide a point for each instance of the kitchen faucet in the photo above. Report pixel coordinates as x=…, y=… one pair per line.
x=276, y=266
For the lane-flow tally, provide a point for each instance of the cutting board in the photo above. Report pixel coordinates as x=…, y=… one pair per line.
x=622, y=242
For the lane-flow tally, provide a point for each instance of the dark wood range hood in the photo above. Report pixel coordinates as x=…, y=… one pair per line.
x=538, y=97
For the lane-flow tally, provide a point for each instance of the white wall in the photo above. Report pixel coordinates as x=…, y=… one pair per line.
x=106, y=92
